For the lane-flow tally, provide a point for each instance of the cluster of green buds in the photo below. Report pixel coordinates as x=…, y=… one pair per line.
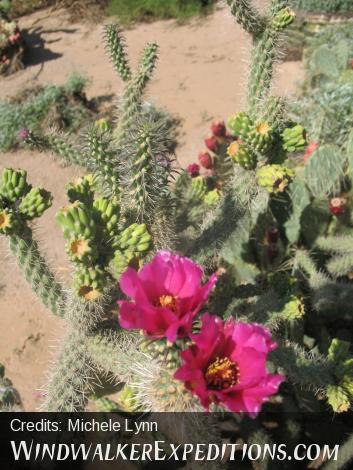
x=294, y=139
x=283, y=18
x=340, y=395
x=274, y=178
x=19, y=202
x=258, y=141
x=94, y=237
x=200, y=190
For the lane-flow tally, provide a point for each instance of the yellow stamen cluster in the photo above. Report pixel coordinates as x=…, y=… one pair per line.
x=222, y=374
x=168, y=301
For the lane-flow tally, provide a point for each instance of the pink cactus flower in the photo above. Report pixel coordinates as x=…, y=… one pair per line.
x=205, y=160
x=166, y=295
x=226, y=365
x=211, y=143
x=193, y=169
x=219, y=129
x=23, y=133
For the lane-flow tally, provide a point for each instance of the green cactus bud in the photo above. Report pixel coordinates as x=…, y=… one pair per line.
x=9, y=223
x=198, y=187
x=105, y=405
x=2, y=371
x=13, y=185
x=107, y=211
x=294, y=139
x=35, y=203
x=274, y=178
x=338, y=398
x=89, y=282
x=127, y=399
x=283, y=18
x=81, y=250
x=102, y=124
x=135, y=238
x=242, y=155
x=81, y=190
x=260, y=137
x=338, y=351
x=76, y=221
x=120, y=263
x=294, y=308
x=240, y=124
x=212, y=197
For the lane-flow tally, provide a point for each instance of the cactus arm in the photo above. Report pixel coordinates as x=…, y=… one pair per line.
x=312, y=372
x=134, y=90
x=37, y=272
x=247, y=16
x=70, y=383
x=59, y=146
x=113, y=352
x=116, y=51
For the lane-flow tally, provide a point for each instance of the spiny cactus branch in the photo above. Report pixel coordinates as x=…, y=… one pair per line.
x=312, y=372
x=132, y=97
x=247, y=16
x=37, y=272
x=115, y=47
x=72, y=377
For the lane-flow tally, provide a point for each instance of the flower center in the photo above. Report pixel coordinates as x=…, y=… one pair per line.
x=79, y=247
x=168, y=301
x=4, y=220
x=222, y=374
x=263, y=128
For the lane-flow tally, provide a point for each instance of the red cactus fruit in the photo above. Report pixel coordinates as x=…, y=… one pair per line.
x=193, y=169
x=219, y=129
x=205, y=160
x=211, y=143
x=310, y=149
x=337, y=205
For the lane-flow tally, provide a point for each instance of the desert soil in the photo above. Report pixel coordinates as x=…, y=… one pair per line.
x=201, y=76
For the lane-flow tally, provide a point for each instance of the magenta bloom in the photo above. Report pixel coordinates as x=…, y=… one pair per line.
x=226, y=365
x=166, y=295
x=23, y=133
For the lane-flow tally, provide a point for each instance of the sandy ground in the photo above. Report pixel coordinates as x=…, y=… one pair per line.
x=201, y=75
